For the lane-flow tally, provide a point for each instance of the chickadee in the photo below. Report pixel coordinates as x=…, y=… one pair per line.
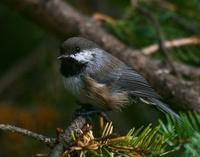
x=97, y=78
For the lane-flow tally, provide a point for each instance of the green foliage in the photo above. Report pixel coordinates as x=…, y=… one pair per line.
x=193, y=148
x=185, y=128
x=175, y=135
x=185, y=133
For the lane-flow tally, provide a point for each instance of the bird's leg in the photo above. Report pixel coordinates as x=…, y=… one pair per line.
x=87, y=110
x=82, y=108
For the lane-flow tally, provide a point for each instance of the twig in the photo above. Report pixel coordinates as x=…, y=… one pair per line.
x=183, y=22
x=159, y=32
x=186, y=24
x=98, y=17
x=50, y=142
x=57, y=145
x=149, y=50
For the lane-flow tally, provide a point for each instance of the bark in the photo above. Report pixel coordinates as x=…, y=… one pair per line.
x=65, y=139
x=64, y=21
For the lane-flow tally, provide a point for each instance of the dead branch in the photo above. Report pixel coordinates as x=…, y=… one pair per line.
x=149, y=50
x=46, y=140
x=63, y=20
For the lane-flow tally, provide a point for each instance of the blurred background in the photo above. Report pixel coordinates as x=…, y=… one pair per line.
x=32, y=94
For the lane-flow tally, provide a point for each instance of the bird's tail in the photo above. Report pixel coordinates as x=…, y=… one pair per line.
x=165, y=108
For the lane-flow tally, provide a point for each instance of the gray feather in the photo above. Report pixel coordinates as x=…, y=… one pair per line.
x=133, y=82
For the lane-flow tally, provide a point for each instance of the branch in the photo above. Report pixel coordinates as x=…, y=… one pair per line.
x=149, y=50
x=57, y=145
x=50, y=142
x=190, y=72
x=63, y=20
x=65, y=139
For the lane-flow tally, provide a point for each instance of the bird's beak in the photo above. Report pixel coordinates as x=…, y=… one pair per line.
x=62, y=56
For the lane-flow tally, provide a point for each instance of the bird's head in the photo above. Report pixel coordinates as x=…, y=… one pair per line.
x=75, y=54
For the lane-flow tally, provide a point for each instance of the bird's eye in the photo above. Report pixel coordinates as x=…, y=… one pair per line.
x=77, y=49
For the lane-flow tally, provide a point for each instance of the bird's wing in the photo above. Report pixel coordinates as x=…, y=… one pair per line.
x=118, y=76
x=123, y=78
x=129, y=80
x=138, y=87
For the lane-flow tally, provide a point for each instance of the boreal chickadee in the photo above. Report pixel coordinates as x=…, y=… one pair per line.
x=95, y=77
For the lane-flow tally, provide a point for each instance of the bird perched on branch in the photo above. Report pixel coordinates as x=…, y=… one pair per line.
x=97, y=78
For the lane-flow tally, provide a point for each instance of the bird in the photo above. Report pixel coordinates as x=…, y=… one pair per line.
x=97, y=78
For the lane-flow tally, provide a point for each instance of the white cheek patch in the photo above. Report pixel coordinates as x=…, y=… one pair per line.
x=84, y=56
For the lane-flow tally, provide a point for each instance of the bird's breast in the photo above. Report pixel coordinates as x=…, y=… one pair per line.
x=75, y=86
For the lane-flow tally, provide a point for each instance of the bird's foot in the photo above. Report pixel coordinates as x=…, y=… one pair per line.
x=88, y=110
